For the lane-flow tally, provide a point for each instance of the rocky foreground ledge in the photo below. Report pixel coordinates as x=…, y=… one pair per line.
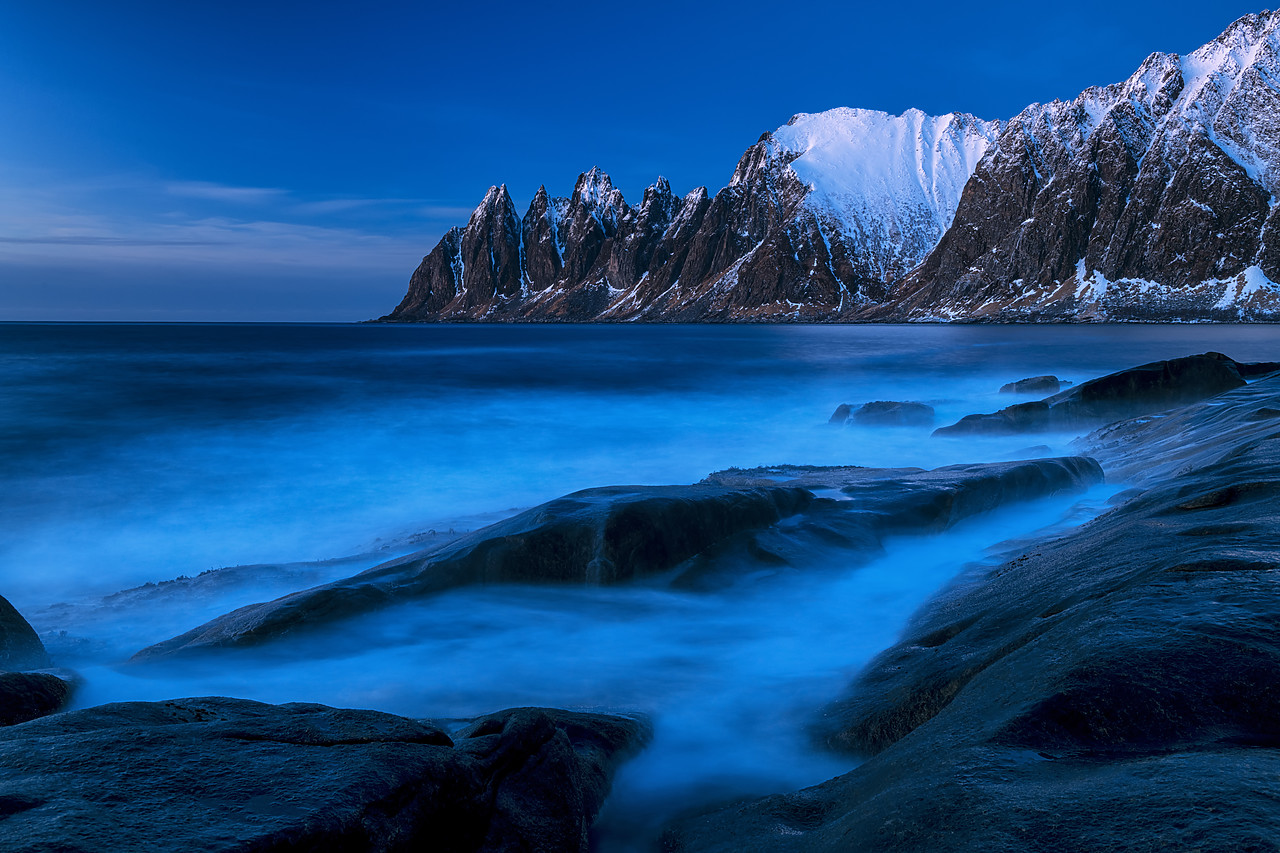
x=1115, y=689
x=222, y=774
x=229, y=774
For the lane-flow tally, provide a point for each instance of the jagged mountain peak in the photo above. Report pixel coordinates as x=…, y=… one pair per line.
x=658, y=195
x=595, y=195
x=592, y=187
x=496, y=199
x=1240, y=39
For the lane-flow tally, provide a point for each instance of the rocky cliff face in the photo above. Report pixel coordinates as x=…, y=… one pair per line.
x=821, y=216
x=1150, y=199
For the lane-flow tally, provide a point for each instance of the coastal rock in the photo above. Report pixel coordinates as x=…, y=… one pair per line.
x=26, y=695
x=20, y=647
x=1138, y=390
x=841, y=415
x=1033, y=385
x=884, y=413
x=1113, y=688
x=221, y=774
x=595, y=536
x=856, y=509
x=1145, y=450
x=697, y=536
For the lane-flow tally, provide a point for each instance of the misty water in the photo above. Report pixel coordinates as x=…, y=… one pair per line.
x=133, y=455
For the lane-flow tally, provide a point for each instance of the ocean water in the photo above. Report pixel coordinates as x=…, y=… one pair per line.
x=138, y=454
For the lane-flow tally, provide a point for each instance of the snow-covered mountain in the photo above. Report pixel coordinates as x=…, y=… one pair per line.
x=889, y=185
x=1151, y=199
x=820, y=216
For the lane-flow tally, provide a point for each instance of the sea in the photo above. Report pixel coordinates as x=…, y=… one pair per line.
x=153, y=476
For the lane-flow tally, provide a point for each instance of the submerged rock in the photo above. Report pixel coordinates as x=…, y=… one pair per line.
x=884, y=413
x=1139, y=390
x=1033, y=385
x=696, y=536
x=1115, y=688
x=218, y=774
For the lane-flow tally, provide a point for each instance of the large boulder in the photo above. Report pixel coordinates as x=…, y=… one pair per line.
x=20, y=647
x=697, y=536
x=220, y=774
x=1139, y=390
x=29, y=695
x=1112, y=689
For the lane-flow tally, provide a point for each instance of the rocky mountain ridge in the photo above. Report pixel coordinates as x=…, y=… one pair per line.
x=820, y=216
x=1151, y=199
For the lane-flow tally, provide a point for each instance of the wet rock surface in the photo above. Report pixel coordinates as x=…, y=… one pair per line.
x=1111, y=689
x=229, y=774
x=695, y=536
x=1138, y=390
x=20, y=646
x=596, y=536
x=884, y=413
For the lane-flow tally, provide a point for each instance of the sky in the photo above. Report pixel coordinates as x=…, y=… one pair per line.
x=281, y=161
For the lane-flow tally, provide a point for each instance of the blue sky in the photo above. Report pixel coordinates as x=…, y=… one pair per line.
x=294, y=161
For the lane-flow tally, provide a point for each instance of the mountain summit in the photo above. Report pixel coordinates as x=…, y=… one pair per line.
x=1151, y=199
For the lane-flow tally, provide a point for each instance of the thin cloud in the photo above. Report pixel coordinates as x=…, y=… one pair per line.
x=339, y=205
x=58, y=223
x=223, y=192
x=416, y=206
x=442, y=212
x=106, y=241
